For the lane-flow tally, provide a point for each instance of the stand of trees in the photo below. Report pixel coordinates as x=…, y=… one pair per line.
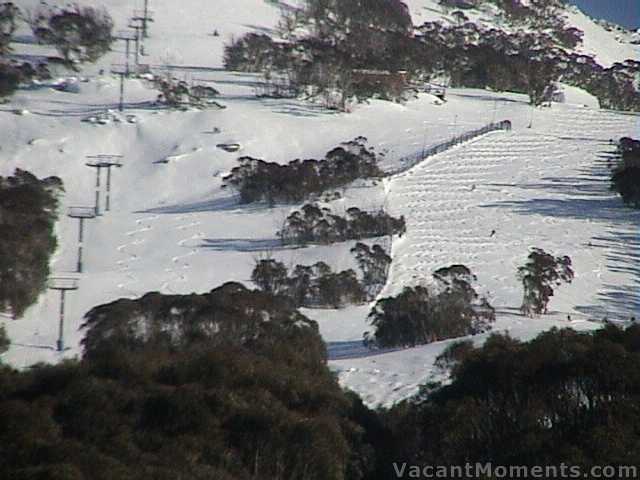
x=257, y=180
x=538, y=276
x=310, y=286
x=450, y=308
x=356, y=50
x=564, y=397
x=625, y=178
x=318, y=286
x=374, y=262
x=313, y=224
x=28, y=211
x=228, y=385
x=177, y=93
x=80, y=34
x=339, y=39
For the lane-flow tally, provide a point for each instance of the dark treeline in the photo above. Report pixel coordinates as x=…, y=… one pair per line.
x=523, y=62
x=357, y=49
x=313, y=224
x=450, y=308
x=28, y=212
x=229, y=385
x=309, y=285
x=257, y=180
x=625, y=178
x=564, y=397
x=318, y=286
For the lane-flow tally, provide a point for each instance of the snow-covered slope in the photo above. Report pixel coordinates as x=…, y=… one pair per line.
x=173, y=229
x=606, y=47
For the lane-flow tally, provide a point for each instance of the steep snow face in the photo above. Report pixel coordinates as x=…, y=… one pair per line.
x=485, y=204
x=606, y=47
x=173, y=229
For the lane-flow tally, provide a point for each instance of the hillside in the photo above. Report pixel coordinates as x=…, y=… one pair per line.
x=173, y=229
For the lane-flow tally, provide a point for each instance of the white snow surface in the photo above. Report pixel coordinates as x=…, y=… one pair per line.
x=173, y=229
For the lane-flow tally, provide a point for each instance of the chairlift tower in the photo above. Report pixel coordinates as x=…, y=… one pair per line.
x=82, y=214
x=137, y=38
x=99, y=162
x=122, y=71
x=63, y=285
x=126, y=37
x=144, y=16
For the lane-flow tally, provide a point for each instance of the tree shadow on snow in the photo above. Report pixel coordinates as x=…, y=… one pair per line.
x=354, y=349
x=225, y=204
x=245, y=244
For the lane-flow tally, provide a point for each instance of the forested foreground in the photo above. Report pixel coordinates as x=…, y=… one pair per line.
x=563, y=397
x=233, y=384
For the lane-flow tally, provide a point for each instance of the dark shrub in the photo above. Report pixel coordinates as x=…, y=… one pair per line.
x=420, y=315
x=28, y=211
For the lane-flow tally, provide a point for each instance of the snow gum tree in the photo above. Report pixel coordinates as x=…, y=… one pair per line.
x=80, y=34
x=538, y=276
x=28, y=211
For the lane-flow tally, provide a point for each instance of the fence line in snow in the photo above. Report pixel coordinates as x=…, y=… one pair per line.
x=410, y=161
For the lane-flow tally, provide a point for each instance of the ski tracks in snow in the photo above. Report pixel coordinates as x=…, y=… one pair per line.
x=176, y=271
x=154, y=235
x=131, y=253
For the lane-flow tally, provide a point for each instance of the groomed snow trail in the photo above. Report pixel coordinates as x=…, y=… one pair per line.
x=484, y=204
x=534, y=188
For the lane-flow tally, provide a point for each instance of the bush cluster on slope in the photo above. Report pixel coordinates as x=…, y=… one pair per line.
x=257, y=180
x=176, y=93
x=564, y=397
x=27, y=216
x=229, y=385
x=374, y=262
x=625, y=178
x=419, y=315
x=313, y=224
x=318, y=286
x=309, y=285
